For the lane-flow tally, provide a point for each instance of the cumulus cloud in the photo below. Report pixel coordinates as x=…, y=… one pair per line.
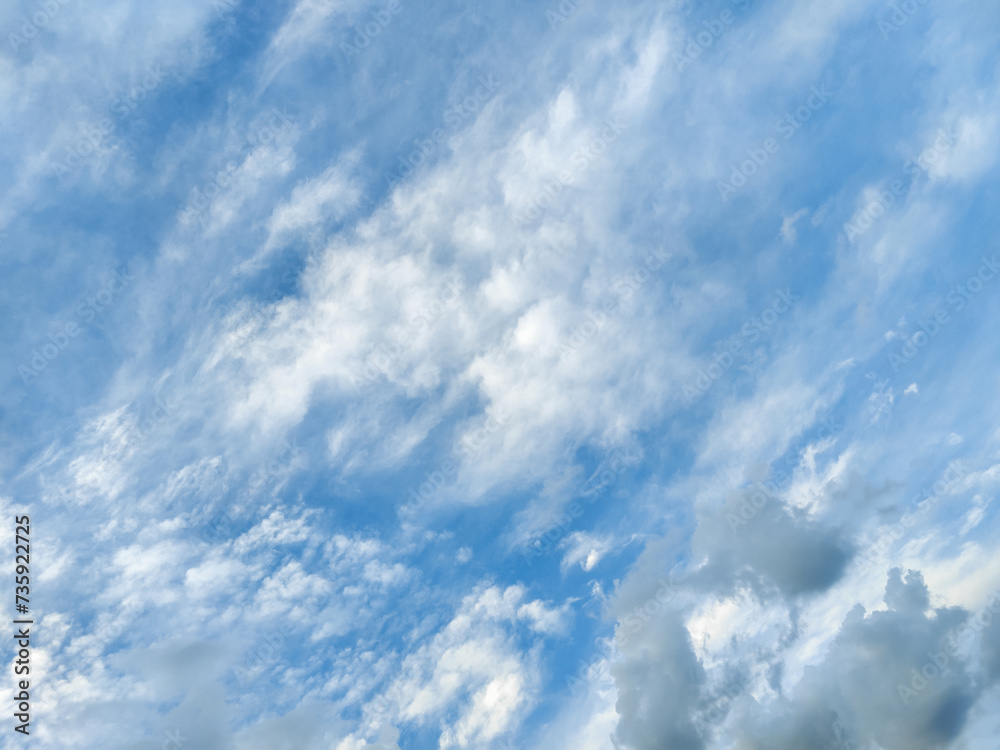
x=466, y=351
x=475, y=663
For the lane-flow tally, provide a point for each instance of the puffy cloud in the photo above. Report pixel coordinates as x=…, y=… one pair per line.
x=892, y=676
x=902, y=676
x=756, y=537
x=528, y=301
x=659, y=681
x=477, y=664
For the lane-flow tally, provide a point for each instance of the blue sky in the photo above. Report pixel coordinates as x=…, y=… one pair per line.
x=385, y=375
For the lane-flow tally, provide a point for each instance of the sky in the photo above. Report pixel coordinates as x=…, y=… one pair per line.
x=570, y=376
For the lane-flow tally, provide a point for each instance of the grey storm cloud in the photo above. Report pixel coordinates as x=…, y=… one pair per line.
x=756, y=539
x=889, y=675
x=898, y=677
x=990, y=642
x=658, y=688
